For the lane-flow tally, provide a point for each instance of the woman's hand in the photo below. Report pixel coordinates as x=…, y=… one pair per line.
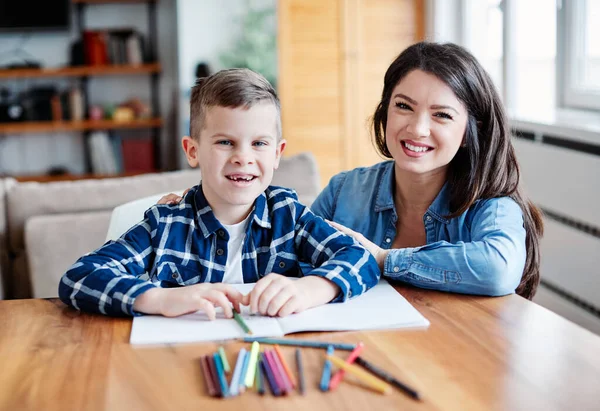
x=379, y=253
x=172, y=199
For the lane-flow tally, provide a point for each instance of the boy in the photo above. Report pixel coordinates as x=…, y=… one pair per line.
x=232, y=228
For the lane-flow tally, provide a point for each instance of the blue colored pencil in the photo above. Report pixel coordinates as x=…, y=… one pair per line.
x=326, y=376
x=300, y=372
x=269, y=375
x=301, y=343
x=243, y=373
x=221, y=374
x=214, y=375
x=234, y=386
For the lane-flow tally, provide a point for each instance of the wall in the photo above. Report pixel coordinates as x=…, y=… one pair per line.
x=22, y=154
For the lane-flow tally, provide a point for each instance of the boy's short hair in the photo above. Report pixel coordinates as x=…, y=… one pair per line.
x=232, y=88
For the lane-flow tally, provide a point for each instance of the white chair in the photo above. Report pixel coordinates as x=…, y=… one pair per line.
x=299, y=172
x=127, y=215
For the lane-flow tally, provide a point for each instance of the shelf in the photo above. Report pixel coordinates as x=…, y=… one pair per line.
x=110, y=1
x=54, y=126
x=44, y=178
x=81, y=71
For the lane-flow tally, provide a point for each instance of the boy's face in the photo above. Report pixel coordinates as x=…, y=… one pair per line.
x=237, y=151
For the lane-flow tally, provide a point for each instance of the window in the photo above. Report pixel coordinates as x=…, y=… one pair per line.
x=541, y=54
x=581, y=51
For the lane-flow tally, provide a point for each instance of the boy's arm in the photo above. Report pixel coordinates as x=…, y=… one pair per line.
x=109, y=279
x=335, y=256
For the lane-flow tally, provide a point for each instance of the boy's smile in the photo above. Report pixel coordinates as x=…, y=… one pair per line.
x=237, y=151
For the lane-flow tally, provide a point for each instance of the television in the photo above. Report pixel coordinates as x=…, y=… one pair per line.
x=35, y=15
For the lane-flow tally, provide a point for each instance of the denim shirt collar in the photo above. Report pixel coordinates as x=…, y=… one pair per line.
x=209, y=224
x=385, y=197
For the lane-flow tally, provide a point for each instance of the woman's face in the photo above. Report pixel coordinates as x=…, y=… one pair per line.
x=425, y=124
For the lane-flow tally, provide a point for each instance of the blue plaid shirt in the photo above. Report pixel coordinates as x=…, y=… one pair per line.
x=184, y=244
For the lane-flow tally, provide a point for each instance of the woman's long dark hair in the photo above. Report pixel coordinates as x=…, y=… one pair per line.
x=487, y=167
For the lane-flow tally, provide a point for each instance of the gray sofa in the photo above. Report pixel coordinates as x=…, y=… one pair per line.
x=45, y=227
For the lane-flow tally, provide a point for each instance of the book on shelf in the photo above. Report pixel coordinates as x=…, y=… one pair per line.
x=113, y=46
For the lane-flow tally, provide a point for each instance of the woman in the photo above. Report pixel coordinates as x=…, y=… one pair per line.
x=446, y=213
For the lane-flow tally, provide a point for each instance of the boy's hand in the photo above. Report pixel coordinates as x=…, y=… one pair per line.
x=173, y=302
x=172, y=199
x=277, y=295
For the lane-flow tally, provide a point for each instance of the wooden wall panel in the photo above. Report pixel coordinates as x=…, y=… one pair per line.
x=309, y=80
x=332, y=58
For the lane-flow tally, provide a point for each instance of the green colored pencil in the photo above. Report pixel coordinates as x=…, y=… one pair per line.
x=238, y=318
x=223, y=356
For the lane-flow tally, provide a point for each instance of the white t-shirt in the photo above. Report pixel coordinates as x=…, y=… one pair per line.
x=233, y=268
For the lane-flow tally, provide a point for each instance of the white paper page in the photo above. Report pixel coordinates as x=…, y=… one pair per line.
x=196, y=327
x=382, y=307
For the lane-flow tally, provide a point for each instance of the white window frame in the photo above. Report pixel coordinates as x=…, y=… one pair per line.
x=570, y=58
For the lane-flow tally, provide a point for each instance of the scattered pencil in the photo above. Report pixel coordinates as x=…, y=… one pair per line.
x=324, y=385
x=238, y=318
x=300, y=368
x=226, y=366
x=388, y=378
x=301, y=343
x=337, y=378
x=362, y=375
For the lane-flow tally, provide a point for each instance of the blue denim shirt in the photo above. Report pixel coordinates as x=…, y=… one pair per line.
x=481, y=251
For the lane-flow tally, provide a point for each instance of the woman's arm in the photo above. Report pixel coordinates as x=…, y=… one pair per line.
x=490, y=264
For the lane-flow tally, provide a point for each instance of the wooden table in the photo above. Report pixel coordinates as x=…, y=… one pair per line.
x=478, y=354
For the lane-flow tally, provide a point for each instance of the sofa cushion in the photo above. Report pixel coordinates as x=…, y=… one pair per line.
x=55, y=242
x=27, y=200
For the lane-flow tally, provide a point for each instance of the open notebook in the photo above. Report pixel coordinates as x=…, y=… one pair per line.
x=380, y=308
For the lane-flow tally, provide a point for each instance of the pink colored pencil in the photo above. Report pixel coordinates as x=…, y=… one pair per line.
x=281, y=370
x=337, y=378
x=273, y=366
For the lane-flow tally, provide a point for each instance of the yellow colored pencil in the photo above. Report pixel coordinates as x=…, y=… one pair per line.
x=249, y=379
x=362, y=375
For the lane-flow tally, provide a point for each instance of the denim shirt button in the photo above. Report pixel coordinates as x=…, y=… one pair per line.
x=281, y=264
x=388, y=240
x=396, y=269
x=174, y=275
x=428, y=218
x=221, y=233
x=220, y=251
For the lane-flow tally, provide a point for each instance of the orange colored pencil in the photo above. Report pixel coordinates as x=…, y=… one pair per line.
x=285, y=366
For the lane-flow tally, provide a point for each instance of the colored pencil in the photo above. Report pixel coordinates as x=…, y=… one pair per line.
x=238, y=318
x=234, y=386
x=301, y=343
x=287, y=384
x=324, y=385
x=300, y=368
x=269, y=375
x=242, y=379
x=252, y=364
x=362, y=375
x=226, y=366
x=287, y=370
x=335, y=380
x=276, y=376
x=388, y=378
x=213, y=373
x=210, y=385
x=221, y=374
x=260, y=384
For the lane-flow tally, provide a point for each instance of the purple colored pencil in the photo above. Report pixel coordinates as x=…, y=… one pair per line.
x=273, y=366
x=269, y=375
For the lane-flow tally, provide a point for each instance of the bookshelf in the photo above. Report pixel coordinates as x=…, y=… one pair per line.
x=150, y=67
x=82, y=71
